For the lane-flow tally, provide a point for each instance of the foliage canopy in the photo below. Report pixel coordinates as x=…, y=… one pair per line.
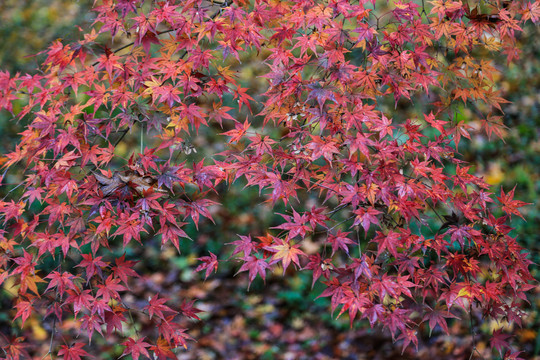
x=318, y=132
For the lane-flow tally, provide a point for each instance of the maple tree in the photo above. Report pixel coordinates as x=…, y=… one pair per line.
x=320, y=132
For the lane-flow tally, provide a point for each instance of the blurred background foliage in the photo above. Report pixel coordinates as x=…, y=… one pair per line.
x=29, y=26
x=283, y=318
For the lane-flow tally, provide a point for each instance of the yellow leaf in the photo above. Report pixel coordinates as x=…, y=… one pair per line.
x=30, y=283
x=169, y=47
x=464, y=292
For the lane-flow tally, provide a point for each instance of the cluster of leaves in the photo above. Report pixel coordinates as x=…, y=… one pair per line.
x=317, y=133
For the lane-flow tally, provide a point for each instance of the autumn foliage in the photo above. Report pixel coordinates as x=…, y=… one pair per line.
x=318, y=133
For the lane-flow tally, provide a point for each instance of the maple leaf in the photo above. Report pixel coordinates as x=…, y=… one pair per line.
x=167, y=176
x=61, y=281
x=238, y=132
x=15, y=349
x=374, y=313
x=92, y=265
x=339, y=241
x=285, y=252
x=80, y=299
x=254, y=266
x=317, y=216
x=461, y=129
x=281, y=189
x=493, y=125
x=408, y=336
x=295, y=225
x=335, y=290
x=24, y=309
x=130, y=227
x=316, y=264
x=388, y=242
x=135, y=348
x=243, y=98
x=438, y=317
x=220, y=113
x=363, y=266
x=91, y=323
x=156, y=306
x=162, y=350
x=321, y=93
x=172, y=233
x=189, y=310
x=210, y=263
x=305, y=42
x=353, y=303
x=366, y=217
x=510, y=206
x=99, y=306
x=123, y=268
x=73, y=352
x=110, y=289
x=12, y=210
x=244, y=245
x=498, y=341
x=198, y=207
x=114, y=319
x=33, y=194
x=173, y=333
x=397, y=320
x=67, y=160
x=359, y=143
x=3, y=276
x=322, y=147
x=509, y=355
x=30, y=282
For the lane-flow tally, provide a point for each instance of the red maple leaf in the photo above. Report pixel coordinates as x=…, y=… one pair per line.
x=61, y=282
x=136, y=348
x=254, y=266
x=189, y=310
x=24, y=309
x=73, y=352
x=210, y=263
x=92, y=323
x=156, y=306
x=510, y=206
x=438, y=317
x=388, y=242
x=110, y=289
x=244, y=245
x=499, y=341
x=366, y=216
x=339, y=241
x=92, y=265
x=238, y=132
x=124, y=269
